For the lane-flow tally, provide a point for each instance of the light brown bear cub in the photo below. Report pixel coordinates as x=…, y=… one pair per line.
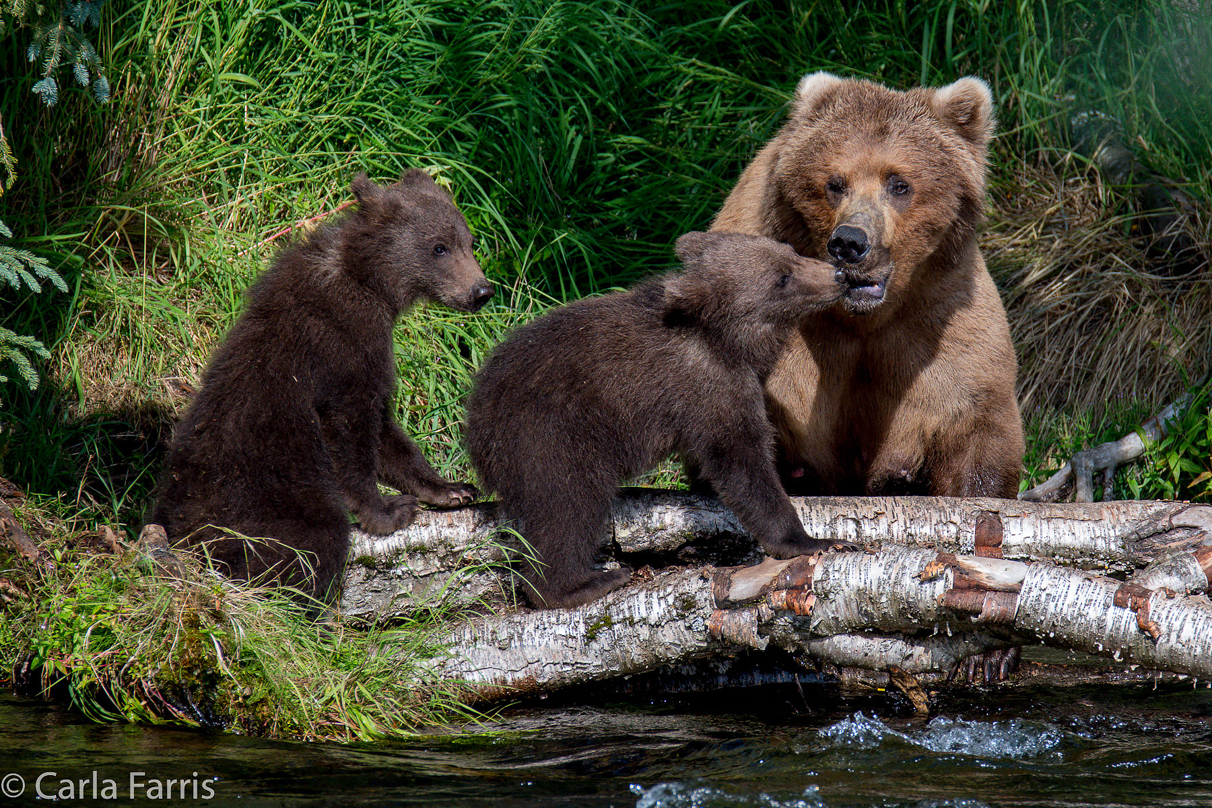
x=603, y=389
x=908, y=387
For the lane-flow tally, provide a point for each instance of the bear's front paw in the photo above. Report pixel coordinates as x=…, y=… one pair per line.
x=397, y=513
x=791, y=549
x=454, y=495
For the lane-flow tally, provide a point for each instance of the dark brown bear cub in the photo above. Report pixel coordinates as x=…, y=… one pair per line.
x=292, y=426
x=602, y=389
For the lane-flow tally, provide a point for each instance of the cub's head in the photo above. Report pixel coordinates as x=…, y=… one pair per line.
x=408, y=240
x=885, y=185
x=747, y=289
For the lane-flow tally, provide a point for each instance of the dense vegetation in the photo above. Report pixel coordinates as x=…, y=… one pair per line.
x=580, y=138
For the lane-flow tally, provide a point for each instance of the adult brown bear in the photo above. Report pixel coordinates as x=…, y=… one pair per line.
x=292, y=427
x=908, y=386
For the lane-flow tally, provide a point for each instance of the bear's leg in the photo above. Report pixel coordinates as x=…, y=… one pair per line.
x=307, y=553
x=564, y=529
x=985, y=461
x=739, y=468
x=404, y=467
x=353, y=432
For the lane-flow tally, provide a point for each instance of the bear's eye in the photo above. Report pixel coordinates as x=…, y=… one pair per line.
x=439, y=249
x=835, y=187
x=897, y=186
x=784, y=280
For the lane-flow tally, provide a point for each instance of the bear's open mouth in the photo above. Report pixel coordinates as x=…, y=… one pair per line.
x=862, y=296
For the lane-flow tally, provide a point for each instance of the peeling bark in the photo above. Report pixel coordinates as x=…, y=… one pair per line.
x=816, y=605
x=632, y=630
x=461, y=551
x=952, y=578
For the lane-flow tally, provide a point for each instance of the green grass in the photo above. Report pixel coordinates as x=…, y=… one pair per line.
x=579, y=138
x=120, y=641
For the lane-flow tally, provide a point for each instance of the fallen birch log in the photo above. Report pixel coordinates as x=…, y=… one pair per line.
x=919, y=599
x=462, y=552
x=951, y=578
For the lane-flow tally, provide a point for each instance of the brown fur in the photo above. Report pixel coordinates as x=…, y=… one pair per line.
x=908, y=387
x=292, y=428
x=601, y=390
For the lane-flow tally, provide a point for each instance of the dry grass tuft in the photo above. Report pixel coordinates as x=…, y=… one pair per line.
x=1094, y=319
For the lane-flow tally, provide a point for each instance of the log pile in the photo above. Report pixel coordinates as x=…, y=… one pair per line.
x=940, y=581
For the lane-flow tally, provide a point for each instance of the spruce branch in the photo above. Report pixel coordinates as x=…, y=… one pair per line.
x=8, y=160
x=59, y=39
x=17, y=266
x=13, y=348
x=21, y=267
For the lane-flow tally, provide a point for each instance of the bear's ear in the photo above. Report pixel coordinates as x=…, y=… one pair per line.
x=811, y=91
x=691, y=247
x=364, y=190
x=688, y=297
x=417, y=178
x=967, y=105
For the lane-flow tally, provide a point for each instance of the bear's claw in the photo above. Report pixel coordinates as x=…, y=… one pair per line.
x=455, y=495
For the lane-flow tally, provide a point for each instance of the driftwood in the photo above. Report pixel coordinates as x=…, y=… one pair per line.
x=1105, y=458
x=942, y=580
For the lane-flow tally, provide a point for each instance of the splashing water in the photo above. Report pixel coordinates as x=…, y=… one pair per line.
x=1015, y=739
x=681, y=795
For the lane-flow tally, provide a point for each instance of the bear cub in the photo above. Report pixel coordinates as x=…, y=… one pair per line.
x=602, y=389
x=291, y=428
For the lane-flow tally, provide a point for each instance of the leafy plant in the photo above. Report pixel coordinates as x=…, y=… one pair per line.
x=1179, y=466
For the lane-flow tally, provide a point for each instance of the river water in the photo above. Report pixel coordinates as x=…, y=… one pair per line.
x=771, y=747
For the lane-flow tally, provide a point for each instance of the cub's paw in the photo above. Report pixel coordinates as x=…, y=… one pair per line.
x=594, y=587
x=791, y=549
x=396, y=513
x=452, y=495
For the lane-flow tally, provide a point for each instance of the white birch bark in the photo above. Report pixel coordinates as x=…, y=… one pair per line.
x=459, y=552
x=942, y=579
x=910, y=604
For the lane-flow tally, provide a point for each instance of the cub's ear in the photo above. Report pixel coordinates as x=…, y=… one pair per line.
x=365, y=191
x=688, y=297
x=692, y=247
x=417, y=178
x=812, y=90
x=967, y=106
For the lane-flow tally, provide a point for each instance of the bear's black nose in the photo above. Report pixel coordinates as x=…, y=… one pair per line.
x=848, y=244
x=480, y=294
